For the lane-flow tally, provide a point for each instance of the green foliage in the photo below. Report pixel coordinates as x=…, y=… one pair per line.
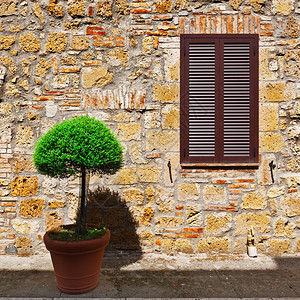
x=81, y=142
x=68, y=233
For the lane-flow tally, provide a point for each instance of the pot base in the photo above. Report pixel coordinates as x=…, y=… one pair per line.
x=77, y=264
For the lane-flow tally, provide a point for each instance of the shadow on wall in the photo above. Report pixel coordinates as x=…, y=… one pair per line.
x=105, y=208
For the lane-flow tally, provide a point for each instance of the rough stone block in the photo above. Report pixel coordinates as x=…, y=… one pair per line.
x=146, y=238
x=170, y=117
x=149, y=173
x=117, y=57
x=172, y=63
x=268, y=117
x=259, y=221
x=164, y=222
x=133, y=196
x=79, y=43
x=166, y=93
x=290, y=204
x=6, y=42
x=255, y=200
x=24, y=246
x=157, y=140
x=53, y=220
x=284, y=228
x=271, y=142
x=128, y=132
x=127, y=175
x=142, y=216
x=96, y=76
x=217, y=223
x=29, y=42
x=24, y=185
x=214, y=194
x=57, y=42
x=278, y=246
x=264, y=72
x=31, y=208
x=283, y=7
x=188, y=191
x=165, y=199
x=272, y=91
x=213, y=244
x=76, y=8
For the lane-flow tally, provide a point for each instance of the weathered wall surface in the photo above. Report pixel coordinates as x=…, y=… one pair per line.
x=119, y=62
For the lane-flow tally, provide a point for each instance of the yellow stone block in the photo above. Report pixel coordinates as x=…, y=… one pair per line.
x=157, y=140
x=165, y=222
x=278, y=246
x=183, y=245
x=282, y=7
x=284, y=228
x=217, y=223
x=128, y=132
x=214, y=194
x=254, y=200
x=149, y=173
x=188, y=191
x=142, y=215
x=166, y=93
x=264, y=71
x=272, y=91
x=213, y=244
x=268, y=117
x=171, y=118
x=259, y=221
x=133, y=196
x=31, y=208
x=271, y=142
x=98, y=76
x=57, y=42
x=290, y=204
x=127, y=175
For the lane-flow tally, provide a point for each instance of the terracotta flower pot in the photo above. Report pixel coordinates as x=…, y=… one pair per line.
x=77, y=264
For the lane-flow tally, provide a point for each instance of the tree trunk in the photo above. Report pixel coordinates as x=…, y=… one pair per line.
x=81, y=219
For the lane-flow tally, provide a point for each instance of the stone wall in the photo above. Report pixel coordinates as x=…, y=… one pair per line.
x=118, y=61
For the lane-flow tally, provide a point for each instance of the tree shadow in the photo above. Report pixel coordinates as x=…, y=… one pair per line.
x=105, y=208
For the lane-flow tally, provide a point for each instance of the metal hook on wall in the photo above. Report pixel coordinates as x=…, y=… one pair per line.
x=272, y=167
x=170, y=171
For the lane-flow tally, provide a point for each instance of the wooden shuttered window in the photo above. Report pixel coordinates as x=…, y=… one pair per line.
x=219, y=98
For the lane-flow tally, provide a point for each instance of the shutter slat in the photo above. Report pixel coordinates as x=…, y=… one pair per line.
x=201, y=100
x=236, y=99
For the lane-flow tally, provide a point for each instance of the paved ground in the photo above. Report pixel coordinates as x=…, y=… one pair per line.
x=161, y=276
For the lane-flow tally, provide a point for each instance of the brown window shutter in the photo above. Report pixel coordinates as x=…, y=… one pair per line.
x=219, y=98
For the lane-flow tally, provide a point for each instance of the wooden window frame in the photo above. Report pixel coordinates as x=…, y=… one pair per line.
x=250, y=160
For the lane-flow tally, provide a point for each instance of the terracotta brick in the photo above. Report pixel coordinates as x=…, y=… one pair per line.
x=53, y=93
x=95, y=30
x=162, y=17
x=141, y=10
x=181, y=25
x=158, y=242
x=91, y=10
x=197, y=24
x=179, y=207
x=202, y=24
x=54, y=65
x=154, y=155
x=251, y=24
x=43, y=98
x=178, y=213
x=189, y=235
x=229, y=24
x=244, y=180
x=240, y=24
x=157, y=32
x=192, y=229
x=69, y=69
x=266, y=33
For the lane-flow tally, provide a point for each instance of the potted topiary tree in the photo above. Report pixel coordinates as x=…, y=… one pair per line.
x=78, y=147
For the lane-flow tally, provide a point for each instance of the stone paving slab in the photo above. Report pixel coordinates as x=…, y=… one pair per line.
x=160, y=277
